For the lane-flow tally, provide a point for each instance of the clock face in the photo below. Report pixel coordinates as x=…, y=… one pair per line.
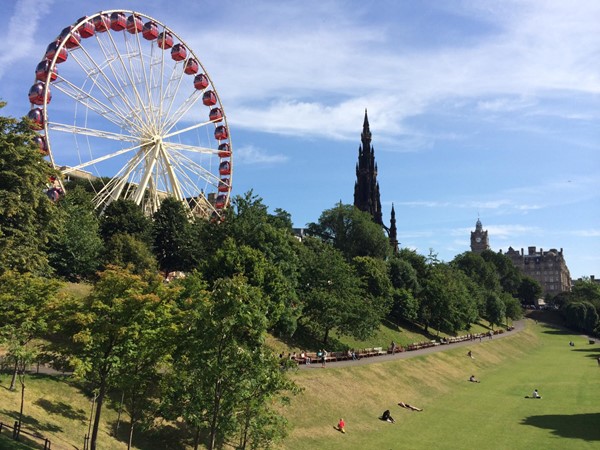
x=478, y=239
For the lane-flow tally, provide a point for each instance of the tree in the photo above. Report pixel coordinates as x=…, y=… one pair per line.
x=376, y=285
x=27, y=217
x=446, y=302
x=173, y=241
x=351, y=231
x=581, y=316
x=248, y=226
x=106, y=329
x=495, y=309
x=24, y=314
x=74, y=251
x=508, y=274
x=529, y=290
x=226, y=378
x=331, y=293
x=479, y=270
x=512, y=307
x=125, y=250
x=125, y=217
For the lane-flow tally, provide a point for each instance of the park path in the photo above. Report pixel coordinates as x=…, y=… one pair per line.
x=519, y=325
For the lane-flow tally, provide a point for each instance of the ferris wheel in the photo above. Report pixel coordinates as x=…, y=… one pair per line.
x=121, y=100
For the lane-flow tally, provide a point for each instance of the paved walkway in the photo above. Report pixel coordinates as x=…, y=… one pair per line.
x=519, y=325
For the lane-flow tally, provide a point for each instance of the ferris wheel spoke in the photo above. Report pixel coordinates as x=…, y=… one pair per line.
x=184, y=181
x=182, y=110
x=55, y=126
x=100, y=159
x=113, y=115
x=185, y=130
x=176, y=146
x=98, y=75
x=190, y=164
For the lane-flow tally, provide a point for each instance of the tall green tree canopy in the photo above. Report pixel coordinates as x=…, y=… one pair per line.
x=27, y=217
x=75, y=249
x=351, y=231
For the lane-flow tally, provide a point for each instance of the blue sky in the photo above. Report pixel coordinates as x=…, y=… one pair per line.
x=486, y=109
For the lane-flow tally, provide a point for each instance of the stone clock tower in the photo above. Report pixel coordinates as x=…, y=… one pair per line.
x=479, y=238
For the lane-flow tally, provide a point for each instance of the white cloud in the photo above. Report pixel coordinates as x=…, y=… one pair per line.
x=249, y=154
x=20, y=35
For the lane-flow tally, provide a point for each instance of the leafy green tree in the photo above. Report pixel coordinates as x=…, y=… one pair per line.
x=173, y=242
x=232, y=259
x=529, y=290
x=24, y=314
x=225, y=379
x=249, y=226
x=508, y=274
x=106, y=331
x=27, y=217
x=75, y=249
x=376, y=284
x=406, y=285
x=125, y=250
x=495, y=309
x=446, y=303
x=512, y=306
x=332, y=294
x=351, y=231
x=479, y=270
x=125, y=217
x=581, y=316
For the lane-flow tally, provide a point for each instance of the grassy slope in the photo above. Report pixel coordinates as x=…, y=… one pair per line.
x=459, y=414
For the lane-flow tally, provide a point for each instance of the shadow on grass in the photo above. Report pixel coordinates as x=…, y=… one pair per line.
x=62, y=409
x=32, y=424
x=576, y=426
x=163, y=436
x=304, y=338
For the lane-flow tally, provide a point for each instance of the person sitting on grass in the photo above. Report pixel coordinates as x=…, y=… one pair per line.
x=406, y=405
x=472, y=379
x=534, y=395
x=387, y=416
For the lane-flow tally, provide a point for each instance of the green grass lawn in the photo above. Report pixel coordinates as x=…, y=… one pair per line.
x=458, y=414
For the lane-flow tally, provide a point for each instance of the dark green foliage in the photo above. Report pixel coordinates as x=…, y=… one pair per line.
x=173, y=240
x=75, y=249
x=508, y=274
x=332, y=294
x=351, y=231
x=446, y=303
x=125, y=217
x=582, y=316
x=225, y=379
x=27, y=217
x=529, y=290
x=124, y=250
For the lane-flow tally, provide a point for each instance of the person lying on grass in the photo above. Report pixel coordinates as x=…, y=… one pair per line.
x=473, y=380
x=406, y=405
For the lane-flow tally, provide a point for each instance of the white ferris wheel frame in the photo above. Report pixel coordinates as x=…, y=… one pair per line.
x=159, y=165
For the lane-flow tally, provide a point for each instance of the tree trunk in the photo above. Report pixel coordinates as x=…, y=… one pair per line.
x=326, y=337
x=130, y=434
x=22, y=380
x=197, y=438
x=215, y=416
x=99, y=402
x=13, y=381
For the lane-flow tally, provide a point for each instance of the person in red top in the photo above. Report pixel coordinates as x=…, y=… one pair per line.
x=342, y=426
